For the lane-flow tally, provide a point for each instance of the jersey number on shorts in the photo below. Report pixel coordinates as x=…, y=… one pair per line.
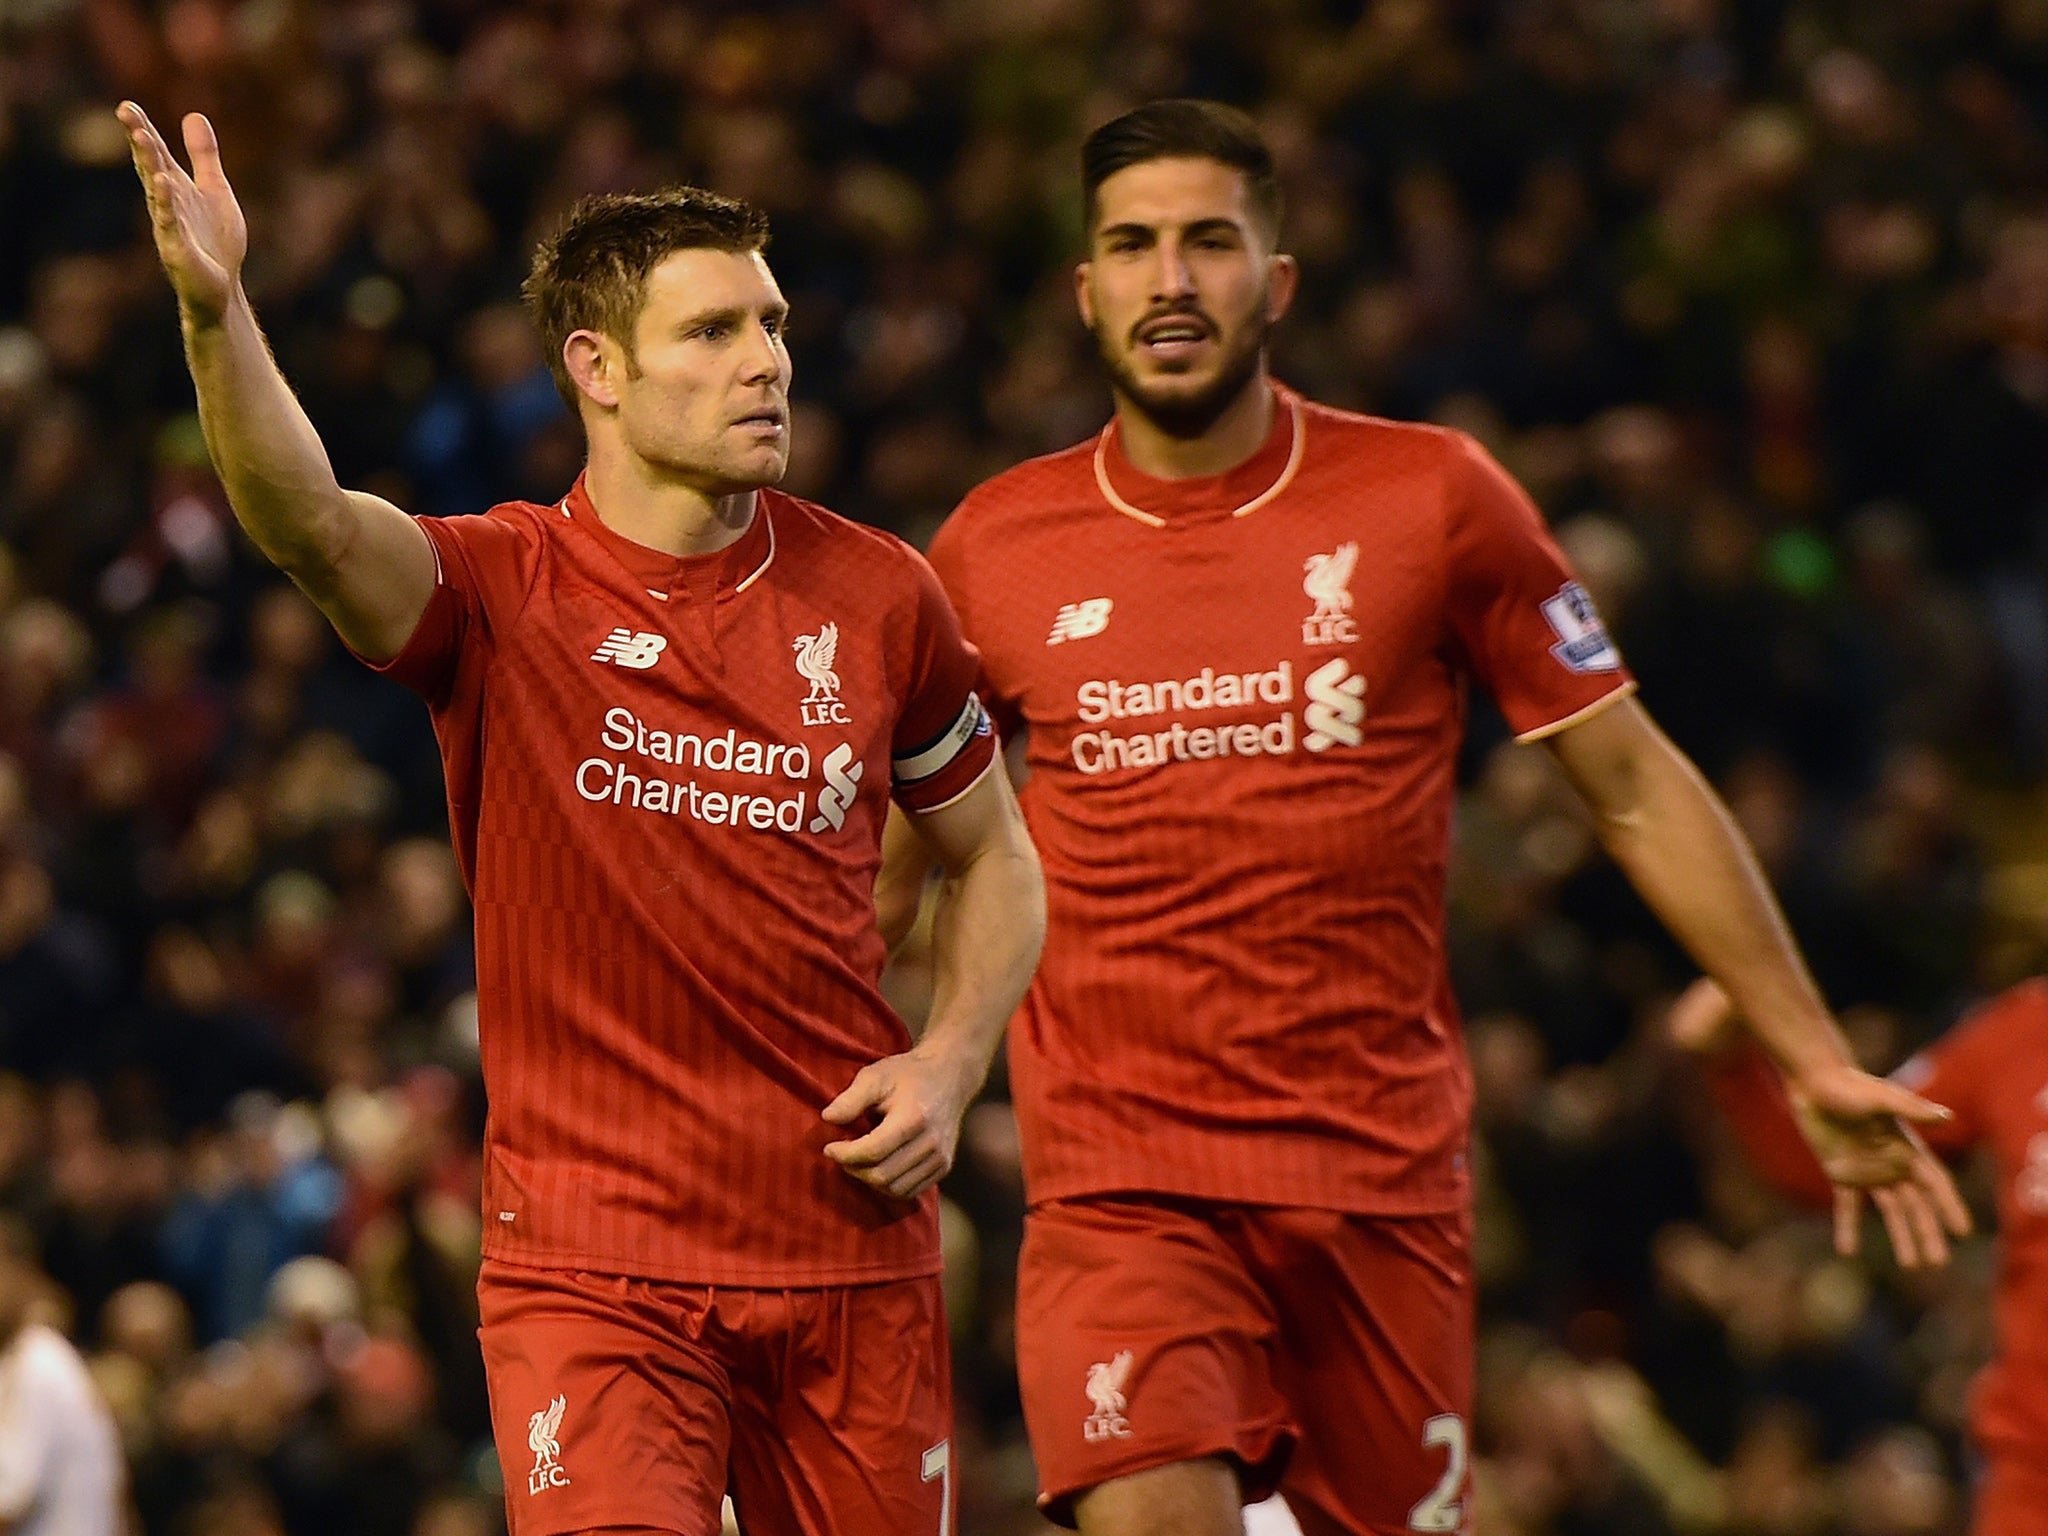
x=1440, y=1511
x=938, y=1464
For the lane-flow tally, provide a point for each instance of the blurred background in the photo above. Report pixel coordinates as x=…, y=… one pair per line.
x=1751, y=294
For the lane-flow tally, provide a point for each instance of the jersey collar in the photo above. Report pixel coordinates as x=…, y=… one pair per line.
x=727, y=571
x=1235, y=493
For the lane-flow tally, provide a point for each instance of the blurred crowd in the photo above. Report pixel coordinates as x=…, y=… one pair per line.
x=1752, y=294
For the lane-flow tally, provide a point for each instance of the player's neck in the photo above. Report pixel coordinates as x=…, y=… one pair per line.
x=1231, y=439
x=662, y=513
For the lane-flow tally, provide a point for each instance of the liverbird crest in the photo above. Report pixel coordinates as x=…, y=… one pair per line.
x=1329, y=580
x=814, y=657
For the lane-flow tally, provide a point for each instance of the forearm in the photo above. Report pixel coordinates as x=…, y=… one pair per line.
x=987, y=929
x=365, y=563
x=1681, y=849
x=264, y=448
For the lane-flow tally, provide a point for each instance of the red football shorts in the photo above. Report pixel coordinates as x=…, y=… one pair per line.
x=1328, y=1355
x=643, y=1403
x=2012, y=1499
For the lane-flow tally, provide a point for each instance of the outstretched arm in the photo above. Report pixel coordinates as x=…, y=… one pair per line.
x=986, y=935
x=1681, y=849
x=366, y=564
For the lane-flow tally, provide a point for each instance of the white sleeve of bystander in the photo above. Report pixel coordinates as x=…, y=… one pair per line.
x=25, y=1429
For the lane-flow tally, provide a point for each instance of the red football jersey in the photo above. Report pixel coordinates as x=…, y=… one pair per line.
x=666, y=781
x=1244, y=697
x=1992, y=1071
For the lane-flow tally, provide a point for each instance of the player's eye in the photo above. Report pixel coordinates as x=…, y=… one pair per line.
x=714, y=330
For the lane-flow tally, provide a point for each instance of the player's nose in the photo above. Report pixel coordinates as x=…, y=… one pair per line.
x=1172, y=277
x=762, y=361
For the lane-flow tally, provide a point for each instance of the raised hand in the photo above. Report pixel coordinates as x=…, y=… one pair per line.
x=1860, y=1130
x=201, y=236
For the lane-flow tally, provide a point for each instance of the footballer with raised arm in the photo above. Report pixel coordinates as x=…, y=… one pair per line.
x=1236, y=630
x=673, y=709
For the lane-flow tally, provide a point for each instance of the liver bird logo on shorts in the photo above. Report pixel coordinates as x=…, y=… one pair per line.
x=543, y=1438
x=815, y=657
x=1328, y=582
x=1106, y=1382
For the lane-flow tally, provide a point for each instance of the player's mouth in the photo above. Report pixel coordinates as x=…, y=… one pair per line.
x=1173, y=339
x=768, y=421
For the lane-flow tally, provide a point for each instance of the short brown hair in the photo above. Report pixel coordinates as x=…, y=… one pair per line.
x=591, y=274
x=1183, y=128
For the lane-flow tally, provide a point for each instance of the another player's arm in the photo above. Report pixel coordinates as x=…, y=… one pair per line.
x=366, y=564
x=986, y=934
x=1681, y=849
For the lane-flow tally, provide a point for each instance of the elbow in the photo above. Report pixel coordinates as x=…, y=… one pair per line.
x=307, y=540
x=1619, y=825
x=327, y=538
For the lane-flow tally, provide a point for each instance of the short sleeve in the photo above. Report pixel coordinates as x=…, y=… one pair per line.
x=1526, y=626
x=944, y=741
x=483, y=567
x=950, y=559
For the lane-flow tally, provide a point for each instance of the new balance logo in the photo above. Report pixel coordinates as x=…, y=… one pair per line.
x=1077, y=621
x=627, y=648
x=841, y=784
x=1106, y=1382
x=1336, y=706
x=543, y=1438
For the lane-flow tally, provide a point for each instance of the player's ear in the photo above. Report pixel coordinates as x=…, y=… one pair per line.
x=593, y=361
x=1084, y=300
x=1283, y=281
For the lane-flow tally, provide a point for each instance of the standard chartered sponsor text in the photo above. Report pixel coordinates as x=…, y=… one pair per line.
x=1336, y=709
x=643, y=788
x=1110, y=699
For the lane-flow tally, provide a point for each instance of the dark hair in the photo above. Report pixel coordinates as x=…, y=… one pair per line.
x=1183, y=128
x=591, y=274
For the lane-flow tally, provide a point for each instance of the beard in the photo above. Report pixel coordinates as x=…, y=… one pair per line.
x=1183, y=415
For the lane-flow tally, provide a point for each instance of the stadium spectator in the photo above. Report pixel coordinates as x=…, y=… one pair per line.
x=60, y=1460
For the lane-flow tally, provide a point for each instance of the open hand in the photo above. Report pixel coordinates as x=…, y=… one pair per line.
x=920, y=1100
x=1860, y=1129
x=201, y=236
